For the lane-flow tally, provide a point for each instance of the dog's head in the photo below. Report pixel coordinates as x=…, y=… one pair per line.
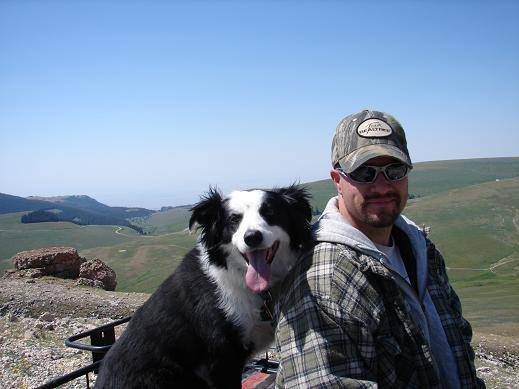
x=257, y=233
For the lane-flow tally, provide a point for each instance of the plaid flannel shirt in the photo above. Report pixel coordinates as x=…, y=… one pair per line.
x=343, y=322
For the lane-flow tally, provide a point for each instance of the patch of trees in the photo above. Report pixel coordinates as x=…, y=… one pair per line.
x=77, y=217
x=40, y=216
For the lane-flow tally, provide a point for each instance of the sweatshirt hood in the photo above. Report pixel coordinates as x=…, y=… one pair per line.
x=332, y=227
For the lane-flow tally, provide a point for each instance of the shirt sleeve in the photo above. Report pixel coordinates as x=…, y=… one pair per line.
x=316, y=351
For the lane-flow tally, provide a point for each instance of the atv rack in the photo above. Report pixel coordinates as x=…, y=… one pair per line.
x=259, y=373
x=101, y=339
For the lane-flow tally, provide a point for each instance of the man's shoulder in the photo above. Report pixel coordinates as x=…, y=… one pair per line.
x=329, y=277
x=325, y=256
x=331, y=268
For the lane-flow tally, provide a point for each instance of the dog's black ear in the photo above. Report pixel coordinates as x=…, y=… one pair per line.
x=206, y=214
x=298, y=200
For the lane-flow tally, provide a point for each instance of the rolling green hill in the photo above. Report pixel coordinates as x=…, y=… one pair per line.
x=477, y=230
x=141, y=264
x=16, y=236
x=171, y=220
x=472, y=207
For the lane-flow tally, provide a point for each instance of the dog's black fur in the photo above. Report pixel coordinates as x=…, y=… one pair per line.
x=183, y=337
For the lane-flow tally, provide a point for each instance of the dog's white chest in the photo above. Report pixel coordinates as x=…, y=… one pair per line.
x=243, y=308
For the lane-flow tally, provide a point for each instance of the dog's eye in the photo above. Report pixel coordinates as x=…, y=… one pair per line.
x=235, y=218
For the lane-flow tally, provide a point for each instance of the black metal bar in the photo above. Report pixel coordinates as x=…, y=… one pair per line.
x=72, y=341
x=54, y=383
x=101, y=339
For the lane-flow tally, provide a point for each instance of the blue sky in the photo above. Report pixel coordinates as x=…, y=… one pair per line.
x=147, y=103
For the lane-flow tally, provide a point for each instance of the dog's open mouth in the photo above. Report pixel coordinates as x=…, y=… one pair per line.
x=258, y=269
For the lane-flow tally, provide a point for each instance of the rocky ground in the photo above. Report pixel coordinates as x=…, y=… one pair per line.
x=37, y=315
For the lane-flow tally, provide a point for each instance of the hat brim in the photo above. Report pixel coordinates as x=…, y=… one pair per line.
x=353, y=160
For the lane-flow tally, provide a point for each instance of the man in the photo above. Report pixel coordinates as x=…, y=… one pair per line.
x=371, y=304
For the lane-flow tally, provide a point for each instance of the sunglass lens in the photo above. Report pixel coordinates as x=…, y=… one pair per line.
x=396, y=171
x=363, y=174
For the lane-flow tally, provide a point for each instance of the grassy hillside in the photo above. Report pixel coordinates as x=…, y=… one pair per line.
x=16, y=236
x=429, y=178
x=141, y=264
x=478, y=225
x=172, y=220
x=477, y=230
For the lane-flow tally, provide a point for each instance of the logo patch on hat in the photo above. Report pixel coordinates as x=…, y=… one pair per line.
x=374, y=128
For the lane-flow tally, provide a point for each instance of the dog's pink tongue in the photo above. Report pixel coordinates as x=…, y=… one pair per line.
x=258, y=271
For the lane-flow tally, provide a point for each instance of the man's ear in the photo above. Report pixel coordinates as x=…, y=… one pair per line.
x=206, y=214
x=336, y=177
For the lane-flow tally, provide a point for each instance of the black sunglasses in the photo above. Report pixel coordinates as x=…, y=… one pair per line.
x=366, y=174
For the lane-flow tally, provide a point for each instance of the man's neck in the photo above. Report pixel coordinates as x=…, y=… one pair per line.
x=378, y=235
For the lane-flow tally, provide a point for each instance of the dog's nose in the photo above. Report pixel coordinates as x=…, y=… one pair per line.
x=253, y=238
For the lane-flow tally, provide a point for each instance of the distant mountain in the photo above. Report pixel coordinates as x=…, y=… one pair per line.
x=9, y=204
x=87, y=203
x=82, y=210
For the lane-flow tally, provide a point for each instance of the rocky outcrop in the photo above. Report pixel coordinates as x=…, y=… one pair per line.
x=96, y=273
x=62, y=262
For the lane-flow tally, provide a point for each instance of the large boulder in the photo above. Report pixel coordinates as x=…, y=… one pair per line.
x=95, y=272
x=63, y=262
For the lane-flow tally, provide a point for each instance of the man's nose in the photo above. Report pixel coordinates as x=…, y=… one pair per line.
x=381, y=182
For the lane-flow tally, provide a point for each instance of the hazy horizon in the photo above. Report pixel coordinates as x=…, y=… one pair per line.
x=148, y=104
x=122, y=203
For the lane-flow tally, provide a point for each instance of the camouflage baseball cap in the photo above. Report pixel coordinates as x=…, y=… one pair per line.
x=365, y=135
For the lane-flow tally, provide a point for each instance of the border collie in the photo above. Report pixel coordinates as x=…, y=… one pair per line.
x=202, y=324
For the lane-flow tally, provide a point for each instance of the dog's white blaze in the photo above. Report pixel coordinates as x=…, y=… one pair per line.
x=248, y=205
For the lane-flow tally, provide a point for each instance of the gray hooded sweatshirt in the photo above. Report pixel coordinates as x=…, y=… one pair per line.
x=333, y=227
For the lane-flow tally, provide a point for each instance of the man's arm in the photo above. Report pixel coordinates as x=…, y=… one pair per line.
x=316, y=351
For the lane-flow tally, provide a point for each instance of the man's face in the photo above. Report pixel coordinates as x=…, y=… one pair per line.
x=372, y=205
